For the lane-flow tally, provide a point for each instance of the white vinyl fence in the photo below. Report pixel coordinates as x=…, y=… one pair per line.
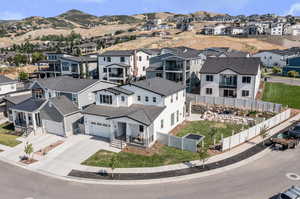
x=177, y=142
x=247, y=104
x=232, y=141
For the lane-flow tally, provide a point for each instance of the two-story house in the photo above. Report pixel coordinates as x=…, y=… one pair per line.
x=120, y=66
x=56, y=104
x=233, y=77
x=7, y=85
x=85, y=48
x=135, y=112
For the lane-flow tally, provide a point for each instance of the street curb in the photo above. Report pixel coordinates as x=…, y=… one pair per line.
x=144, y=182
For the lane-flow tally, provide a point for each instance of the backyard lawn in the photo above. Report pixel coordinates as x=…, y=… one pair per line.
x=166, y=156
x=6, y=138
x=282, y=94
x=210, y=128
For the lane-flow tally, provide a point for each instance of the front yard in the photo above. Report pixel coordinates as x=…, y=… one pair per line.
x=282, y=94
x=210, y=130
x=6, y=135
x=165, y=156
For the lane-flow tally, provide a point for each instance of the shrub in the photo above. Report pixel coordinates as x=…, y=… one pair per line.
x=293, y=73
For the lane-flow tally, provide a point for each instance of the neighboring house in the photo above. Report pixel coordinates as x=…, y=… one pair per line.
x=121, y=66
x=7, y=85
x=219, y=29
x=85, y=49
x=180, y=64
x=55, y=105
x=83, y=66
x=293, y=30
x=271, y=58
x=293, y=64
x=231, y=77
x=12, y=101
x=135, y=112
x=277, y=29
x=237, y=31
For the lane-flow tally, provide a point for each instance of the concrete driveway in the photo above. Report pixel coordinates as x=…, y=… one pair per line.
x=71, y=154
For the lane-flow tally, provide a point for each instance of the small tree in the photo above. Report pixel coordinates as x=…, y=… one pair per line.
x=28, y=149
x=113, y=164
x=263, y=134
x=203, y=155
x=293, y=73
x=23, y=76
x=276, y=70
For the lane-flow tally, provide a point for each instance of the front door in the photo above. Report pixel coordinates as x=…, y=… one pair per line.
x=122, y=129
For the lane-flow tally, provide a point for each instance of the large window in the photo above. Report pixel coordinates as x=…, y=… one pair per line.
x=105, y=99
x=245, y=93
x=65, y=66
x=246, y=80
x=209, y=78
x=172, y=119
x=122, y=59
x=209, y=91
x=141, y=128
x=108, y=59
x=161, y=124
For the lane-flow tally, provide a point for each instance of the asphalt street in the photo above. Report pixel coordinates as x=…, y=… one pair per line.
x=258, y=180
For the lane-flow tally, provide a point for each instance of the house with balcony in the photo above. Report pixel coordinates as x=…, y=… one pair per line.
x=121, y=66
x=135, y=112
x=233, y=77
x=85, y=48
x=55, y=105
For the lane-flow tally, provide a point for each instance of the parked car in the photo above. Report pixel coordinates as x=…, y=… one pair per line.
x=291, y=193
x=295, y=131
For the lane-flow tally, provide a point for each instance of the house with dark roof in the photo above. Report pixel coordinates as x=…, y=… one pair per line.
x=233, y=77
x=85, y=48
x=120, y=66
x=135, y=112
x=7, y=85
x=55, y=105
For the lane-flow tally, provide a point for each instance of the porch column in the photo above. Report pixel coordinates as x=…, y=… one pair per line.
x=146, y=137
x=184, y=72
x=124, y=75
x=14, y=116
x=33, y=121
x=27, y=120
x=112, y=130
x=107, y=74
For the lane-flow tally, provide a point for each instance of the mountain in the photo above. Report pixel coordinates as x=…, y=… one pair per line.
x=79, y=17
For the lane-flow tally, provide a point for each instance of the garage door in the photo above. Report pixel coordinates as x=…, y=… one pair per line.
x=100, y=130
x=54, y=127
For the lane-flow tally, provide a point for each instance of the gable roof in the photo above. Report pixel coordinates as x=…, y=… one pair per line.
x=140, y=113
x=184, y=52
x=240, y=65
x=118, y=53
x=67, y=84
x=119, y=90
x=80, y=59
x=118, y=64
x=6, y=80
x=29, y=105
x=160, y=86
x=18, y=99
x=64, y=105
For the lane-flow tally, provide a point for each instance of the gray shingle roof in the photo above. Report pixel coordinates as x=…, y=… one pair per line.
x=119, y=90
x=29, y=105
x=68, y=84
x=160, y=86
x=143, y=114
x=81, y=59
x=240, y=65
x=118, y=53
x=18, y=99
x=184, y=52
x=64, y=105
x=5, y=80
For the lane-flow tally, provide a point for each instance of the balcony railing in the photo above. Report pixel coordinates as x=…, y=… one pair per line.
x=228, y=84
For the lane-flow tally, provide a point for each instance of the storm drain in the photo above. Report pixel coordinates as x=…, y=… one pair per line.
x=293, y=176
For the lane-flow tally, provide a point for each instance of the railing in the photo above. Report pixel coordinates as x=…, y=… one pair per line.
x=224, y=84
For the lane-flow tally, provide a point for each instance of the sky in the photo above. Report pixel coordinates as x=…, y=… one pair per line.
x=17, y=9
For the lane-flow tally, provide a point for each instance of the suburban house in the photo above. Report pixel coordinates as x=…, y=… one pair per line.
x=85, y=48
x=179, y=64
x=7, y=85
x=83, y=66
x=135, y=112
x=293, y=64
x=121, y=66
x=293, y=30
x=234, y=77
x=271, y=58
x=219, y=29
x=56, y=104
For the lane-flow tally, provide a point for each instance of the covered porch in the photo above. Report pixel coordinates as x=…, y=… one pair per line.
x=26, y=120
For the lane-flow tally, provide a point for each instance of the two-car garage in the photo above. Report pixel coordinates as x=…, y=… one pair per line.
x=97, y=126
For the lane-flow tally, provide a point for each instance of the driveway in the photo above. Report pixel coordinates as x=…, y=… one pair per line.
x=284, y=80
x=71, y=154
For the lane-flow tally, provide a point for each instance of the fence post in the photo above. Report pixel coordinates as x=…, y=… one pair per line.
x=169, y=140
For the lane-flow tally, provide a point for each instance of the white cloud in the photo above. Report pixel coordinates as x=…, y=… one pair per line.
x=294, y=9
x=7, y=15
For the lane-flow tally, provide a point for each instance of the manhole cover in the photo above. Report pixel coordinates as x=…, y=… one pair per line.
x=293, y=176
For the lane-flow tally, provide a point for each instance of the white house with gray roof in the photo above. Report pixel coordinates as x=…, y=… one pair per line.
x=233, y=77
x=7, y=85
x=56, y=104
x=135, y=112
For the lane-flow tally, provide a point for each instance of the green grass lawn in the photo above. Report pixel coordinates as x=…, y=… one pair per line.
x=166, y=156
x=205, y=128
x=282, y=94
x=6, y=138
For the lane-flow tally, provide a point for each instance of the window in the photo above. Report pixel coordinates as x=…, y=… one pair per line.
x=38, y=94
x=144, y=68
x=108, y=59
x=65, y=68
x=209, y=91
x=74, y=97
x=161, y=124
x=148, y=58
x=158, y=75
x=12, y=87
x=172, y=119
x=154, y=99
x=209, y=78
x=177, y=116
x=105, y=99
x=105, y=70
x=140, y=58
x=171, y=98
x=176, y=96
x=123, y=98
x=141, y=128
x=147, y=99
x=245, y=93
x=246, y=80
x=139, y=98
x=122, y=59
x=104, y=59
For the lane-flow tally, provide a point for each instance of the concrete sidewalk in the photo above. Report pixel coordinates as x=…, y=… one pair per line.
x=222, y=156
